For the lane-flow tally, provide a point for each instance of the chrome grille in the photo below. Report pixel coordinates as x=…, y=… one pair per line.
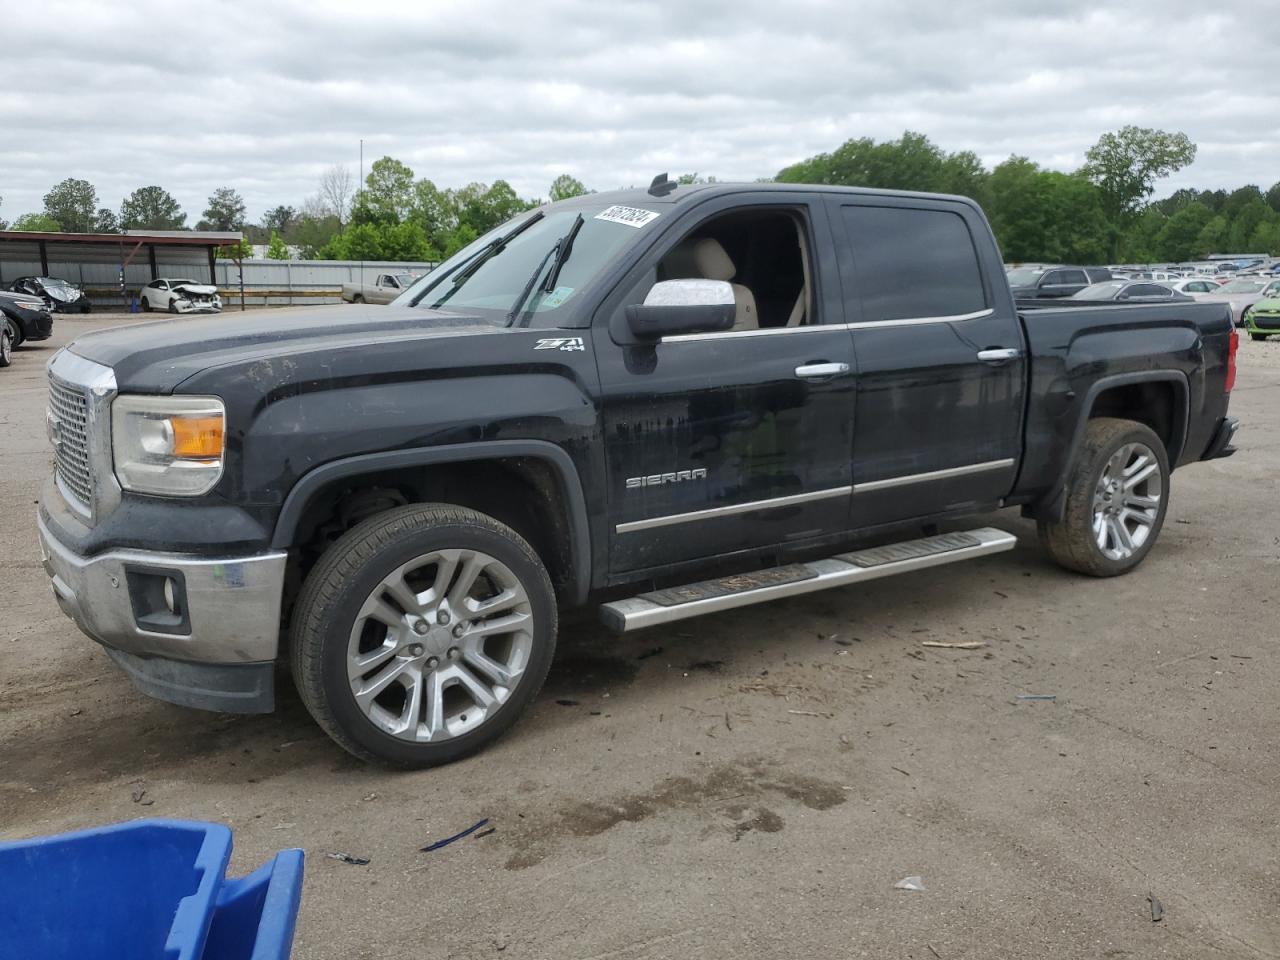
x=70, y=407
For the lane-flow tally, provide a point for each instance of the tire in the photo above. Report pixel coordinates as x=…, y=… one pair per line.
x=144, y=303
x=6, y=347
x=1258, y=336
x=15, y=332
x=173, y=306
x=357, y=298
x=1089, y=539
x=87, y=308
x=423, y=661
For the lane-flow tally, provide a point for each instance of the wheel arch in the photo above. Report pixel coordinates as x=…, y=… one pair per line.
x=1160, y=399
x=533, y=462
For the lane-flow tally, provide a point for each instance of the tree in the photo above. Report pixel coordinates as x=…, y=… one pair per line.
x=4, y=224
x=461, y=237
x=1125, y=166
x=912, y=162
x=1180, y=237
x=1244, y=225
x=37, y=222
x=336, y=188
x=1044, y=215
x=225, y=210
x=1273, y=197
x=388, y=193
x=72, y=204
x=564, y=186
x=236, y=251
x=105, y=221
x=312, y=233
x=276, y=249
x=1213, y=238
x=151, y=208
x=279, y=219
x=434, y=211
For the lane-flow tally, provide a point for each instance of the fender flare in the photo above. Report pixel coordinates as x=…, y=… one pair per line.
x=1054, y=501
x=295, y=503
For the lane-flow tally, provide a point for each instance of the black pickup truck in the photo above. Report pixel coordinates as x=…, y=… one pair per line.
x=667, y=402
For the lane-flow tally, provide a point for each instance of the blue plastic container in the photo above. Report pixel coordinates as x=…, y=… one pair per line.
x=142, y=890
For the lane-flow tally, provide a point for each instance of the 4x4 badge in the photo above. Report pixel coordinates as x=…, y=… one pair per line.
x=560, y=343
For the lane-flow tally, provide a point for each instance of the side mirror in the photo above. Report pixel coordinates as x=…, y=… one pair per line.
x=683, y=306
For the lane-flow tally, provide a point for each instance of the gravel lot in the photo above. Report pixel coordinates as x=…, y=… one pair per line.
x=753, y=784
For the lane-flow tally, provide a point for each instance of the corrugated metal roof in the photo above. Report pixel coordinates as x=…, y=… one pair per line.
x=182, y=238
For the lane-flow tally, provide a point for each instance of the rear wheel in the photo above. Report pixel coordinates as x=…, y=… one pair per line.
x=1117, y=494
x=6, y=348
x=358, y=298
x=422, y=634
x=15, y=332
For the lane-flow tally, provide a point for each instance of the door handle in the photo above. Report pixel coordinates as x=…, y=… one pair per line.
x=819, y=371
x=999, y=354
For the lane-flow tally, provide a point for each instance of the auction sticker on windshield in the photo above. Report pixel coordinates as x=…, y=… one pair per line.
x=631, y=216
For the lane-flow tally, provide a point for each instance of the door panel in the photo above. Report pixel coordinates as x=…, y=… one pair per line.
x=938, y=428
x=714, y=442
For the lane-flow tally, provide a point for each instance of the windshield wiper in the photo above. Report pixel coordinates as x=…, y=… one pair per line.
x=560, y=251
x=473, y=263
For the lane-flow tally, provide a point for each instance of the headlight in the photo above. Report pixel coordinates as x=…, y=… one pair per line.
x=172, y=446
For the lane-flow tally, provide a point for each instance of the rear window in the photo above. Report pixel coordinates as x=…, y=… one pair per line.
x=911, y=263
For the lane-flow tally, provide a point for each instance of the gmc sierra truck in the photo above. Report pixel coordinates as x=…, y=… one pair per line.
x=665, y=402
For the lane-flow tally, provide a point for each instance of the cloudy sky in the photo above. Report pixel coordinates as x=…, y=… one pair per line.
x=263, y=96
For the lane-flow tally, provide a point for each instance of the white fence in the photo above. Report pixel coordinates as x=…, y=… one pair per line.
x=285, y=282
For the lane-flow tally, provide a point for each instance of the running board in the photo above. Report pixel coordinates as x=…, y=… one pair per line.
x=712, y=596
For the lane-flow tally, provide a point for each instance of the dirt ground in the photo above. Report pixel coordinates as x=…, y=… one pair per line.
x=753, y=784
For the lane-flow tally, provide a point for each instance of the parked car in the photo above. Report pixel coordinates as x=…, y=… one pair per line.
x=1031, y=283
x=1242, y=293
x=1130, y=291
x=180, y=296
x=1194, y=287
x=61, y=296
x=26, y=318
x=384, y=289
x=608, y=400
x=1262, y=319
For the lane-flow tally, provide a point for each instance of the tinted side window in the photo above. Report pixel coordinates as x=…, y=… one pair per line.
x=913, y=263
x=1073, y=276
x=1051, y=278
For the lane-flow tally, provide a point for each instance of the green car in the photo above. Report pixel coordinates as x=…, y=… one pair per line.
x=1263, y=318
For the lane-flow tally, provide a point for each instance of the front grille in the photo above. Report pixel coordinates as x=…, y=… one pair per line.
x=71, y=452
x=1267, y=322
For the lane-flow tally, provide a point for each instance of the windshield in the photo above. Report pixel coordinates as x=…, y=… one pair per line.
x=1100, y=291
x=52, y=283
x=489, y=284
x=1024, y=276
x=1242, y=286
x=180, y=282
x=405, y=279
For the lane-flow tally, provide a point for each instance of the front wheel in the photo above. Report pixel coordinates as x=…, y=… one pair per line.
x=14, y=331
x=6, y=348
x=357, y=298
x=173, y=306
x=422, y=634
x=1117, y=494
x=145, y=304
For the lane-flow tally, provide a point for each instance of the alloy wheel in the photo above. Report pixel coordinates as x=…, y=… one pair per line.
x=1126, y=501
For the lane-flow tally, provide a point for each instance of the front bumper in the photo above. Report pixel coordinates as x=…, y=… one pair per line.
x=195, y=306
x=214, y=648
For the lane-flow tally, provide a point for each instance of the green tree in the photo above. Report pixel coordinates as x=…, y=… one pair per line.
x=225, y=210
x=1245, y=224
x=276, y=249
x=236, y=251
x=1273, y=197
x=912, y=162
x=1266, y=238
x=37, y=223
x=72, y=204
x=1044, y=215
x=388, y=193
x=1125, y=166
x=1179, y=238
x=1138, y=242
x=4, y=224
x=1213, y=238
x=434, y=211
x=564, y=186
x=313, y=233
x=105, y=221
x=280, y=219
x=465, y=234
x=151, y=208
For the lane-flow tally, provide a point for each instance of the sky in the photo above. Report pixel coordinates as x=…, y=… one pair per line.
x=262, y=97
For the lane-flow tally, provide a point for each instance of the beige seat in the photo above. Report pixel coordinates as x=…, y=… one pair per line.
x=713, y=263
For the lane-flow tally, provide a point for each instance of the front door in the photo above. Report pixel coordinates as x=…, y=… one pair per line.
x=940, y=358
x=739, y=439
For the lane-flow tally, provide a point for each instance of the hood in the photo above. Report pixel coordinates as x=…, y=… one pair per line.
x=203, y=289
x=155, y=357
x=1267, y=305
x=25, y=300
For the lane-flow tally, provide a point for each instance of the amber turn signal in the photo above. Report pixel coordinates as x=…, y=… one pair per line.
x=197, y=438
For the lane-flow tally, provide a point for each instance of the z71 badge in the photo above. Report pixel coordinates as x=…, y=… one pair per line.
x=560, y=343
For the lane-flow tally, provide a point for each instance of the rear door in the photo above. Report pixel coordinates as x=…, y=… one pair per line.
x=1063, y=283
x=728, y=441
x=940, y=358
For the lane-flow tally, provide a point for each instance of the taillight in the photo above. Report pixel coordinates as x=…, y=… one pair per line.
x=1232, y=346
